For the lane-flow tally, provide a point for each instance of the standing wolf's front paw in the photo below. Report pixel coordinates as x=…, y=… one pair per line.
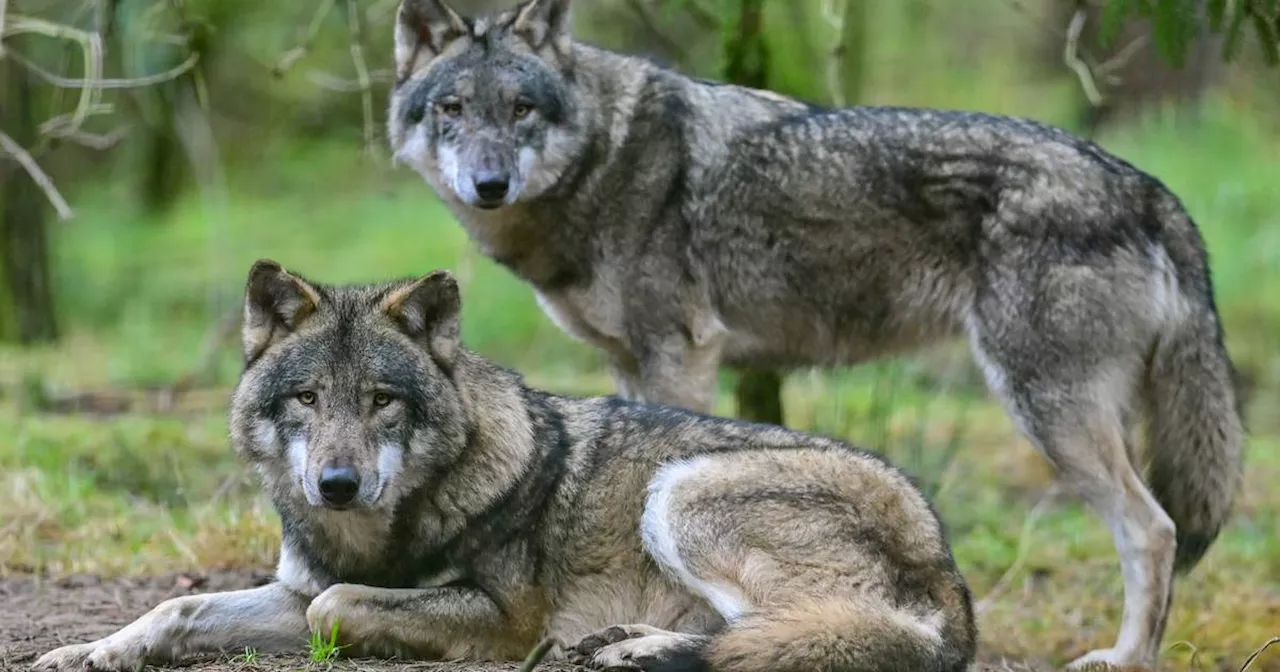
x=100, y=655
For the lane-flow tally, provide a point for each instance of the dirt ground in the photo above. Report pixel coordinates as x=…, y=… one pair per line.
x=40, y=614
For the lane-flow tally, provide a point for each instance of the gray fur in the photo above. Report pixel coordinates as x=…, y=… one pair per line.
x=679, y=225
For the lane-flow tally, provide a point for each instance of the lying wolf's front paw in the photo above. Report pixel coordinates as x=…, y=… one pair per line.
x=582, y=652
x=99, y=655
x=336, y=605
x=71, y=657
x=118, y=658
x=634, y=647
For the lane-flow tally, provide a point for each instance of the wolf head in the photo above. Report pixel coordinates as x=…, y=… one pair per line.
x=482, y=107
x=347, y=399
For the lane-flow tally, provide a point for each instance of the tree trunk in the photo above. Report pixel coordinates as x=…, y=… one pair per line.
x=26, y=298
x=759, y=391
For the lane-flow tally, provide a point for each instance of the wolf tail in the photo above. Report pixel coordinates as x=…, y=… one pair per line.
x=1197, y=429
x=838, y=636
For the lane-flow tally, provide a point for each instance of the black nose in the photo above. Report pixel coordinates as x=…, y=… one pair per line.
x=492, y=186
x=339, y=485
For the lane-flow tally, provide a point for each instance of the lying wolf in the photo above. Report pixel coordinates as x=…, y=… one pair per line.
x=435, y=506
x=679, y=224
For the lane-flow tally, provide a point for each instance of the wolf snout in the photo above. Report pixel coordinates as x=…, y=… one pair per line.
x=492, y=187
x=339, y=485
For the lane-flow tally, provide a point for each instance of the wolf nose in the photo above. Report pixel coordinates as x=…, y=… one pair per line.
x=338, y=485
x=492, y=186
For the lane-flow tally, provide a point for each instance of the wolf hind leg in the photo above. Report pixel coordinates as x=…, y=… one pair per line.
x=783, y=547
x=1082, y=420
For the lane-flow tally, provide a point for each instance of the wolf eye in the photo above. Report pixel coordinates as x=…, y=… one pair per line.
x=381, y=399
x=307, y=398
x=522, y=110
x=451, y=108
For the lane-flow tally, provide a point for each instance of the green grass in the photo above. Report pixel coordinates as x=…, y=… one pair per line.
x=142, y=493
x=324, y=649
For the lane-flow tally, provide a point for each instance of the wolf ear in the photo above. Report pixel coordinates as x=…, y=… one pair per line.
x=426, y=24
x=542, y=22
x=429, y=311
x=276, y=303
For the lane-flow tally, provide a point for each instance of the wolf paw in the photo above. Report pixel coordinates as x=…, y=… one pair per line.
x=71, y=657
x=634, y=647
x=99, y=655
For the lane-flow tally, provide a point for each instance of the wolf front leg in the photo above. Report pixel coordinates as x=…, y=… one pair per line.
x=268, y=619
x=678, y=366
x=423, y=623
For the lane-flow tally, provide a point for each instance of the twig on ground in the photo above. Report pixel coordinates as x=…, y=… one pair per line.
x=537, y=654
x=1024, y=549
x=37, y=174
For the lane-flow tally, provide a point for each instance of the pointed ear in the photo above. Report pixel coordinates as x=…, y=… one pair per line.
x=545, y=22
x=425, y=25
x=429, y=311
x=276, y=303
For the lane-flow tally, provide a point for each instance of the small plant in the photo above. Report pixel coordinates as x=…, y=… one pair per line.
x=250, y=655
x=322, y=650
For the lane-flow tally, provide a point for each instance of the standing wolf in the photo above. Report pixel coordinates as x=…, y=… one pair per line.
x=679, y=224
x=437, y=507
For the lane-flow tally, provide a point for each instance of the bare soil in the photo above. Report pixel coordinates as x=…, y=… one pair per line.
x=38, y=614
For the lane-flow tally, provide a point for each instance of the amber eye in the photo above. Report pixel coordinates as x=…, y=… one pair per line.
x=381, y=399
x=522, y=110
x=307, y=398
x=451, y=108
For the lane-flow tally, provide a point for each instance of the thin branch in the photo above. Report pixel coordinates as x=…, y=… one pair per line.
x=149, y=80
x=1071, y=57
x=289, y=58
x=90, y=45
x=37, y=175
x=1249, y=663
x=362, y=75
